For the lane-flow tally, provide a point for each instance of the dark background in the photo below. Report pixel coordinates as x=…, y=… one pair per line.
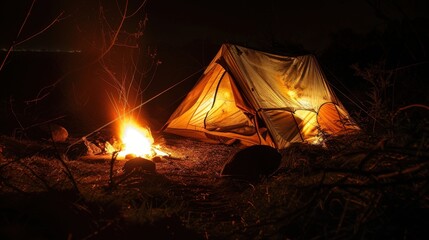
x=183, y=36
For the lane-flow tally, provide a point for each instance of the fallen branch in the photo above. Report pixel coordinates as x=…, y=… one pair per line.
x=403, y=172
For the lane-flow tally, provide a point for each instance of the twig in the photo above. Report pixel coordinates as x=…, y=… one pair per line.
x=410, y=106
x=408, y=151
x=340, y=223
x=15, y=43
x=115, y=36
x=45, y=122
x=65, y=166
x=45, y=183
x=19, y=32
x=124, y=177
x=95, y=233
x=112, y=161
x=403, y=172
x=375, y=185
x=26, y=18
x=14, y=115
x=57, y=19
x=290, y=217
x=372, y=205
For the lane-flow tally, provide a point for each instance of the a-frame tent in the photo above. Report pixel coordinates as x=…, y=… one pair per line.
x=260, y=98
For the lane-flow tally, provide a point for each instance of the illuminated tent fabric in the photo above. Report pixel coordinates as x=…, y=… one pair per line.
x=260, y=98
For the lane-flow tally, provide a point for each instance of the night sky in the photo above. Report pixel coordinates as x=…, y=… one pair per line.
x=306, y=22
x=309, y=23
x=186, y=35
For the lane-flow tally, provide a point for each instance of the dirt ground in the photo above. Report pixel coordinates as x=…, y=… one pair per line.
x=350, y=188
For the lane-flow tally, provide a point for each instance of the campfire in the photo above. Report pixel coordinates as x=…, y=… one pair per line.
x=134, y=141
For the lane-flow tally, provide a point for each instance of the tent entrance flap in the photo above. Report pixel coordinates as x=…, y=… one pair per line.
x=224, y=115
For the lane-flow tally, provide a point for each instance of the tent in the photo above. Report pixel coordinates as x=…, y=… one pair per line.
x=260, y=98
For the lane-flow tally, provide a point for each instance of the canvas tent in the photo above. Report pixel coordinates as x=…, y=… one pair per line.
x=260, y=98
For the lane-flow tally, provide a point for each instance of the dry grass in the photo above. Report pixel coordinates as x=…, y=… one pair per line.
x=354, y=187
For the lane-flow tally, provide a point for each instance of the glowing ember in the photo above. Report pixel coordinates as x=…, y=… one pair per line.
x=136, y=140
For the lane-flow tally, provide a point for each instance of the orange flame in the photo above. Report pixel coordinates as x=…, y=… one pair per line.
x=136, y=140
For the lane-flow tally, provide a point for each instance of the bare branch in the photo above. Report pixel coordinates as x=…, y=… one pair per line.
x=16, y=117
x=115, y=35
x=26, y=18
x=138, y=9
x=57, y=19
x=15, y=43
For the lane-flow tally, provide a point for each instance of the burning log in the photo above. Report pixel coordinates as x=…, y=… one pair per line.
x=92, y=148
